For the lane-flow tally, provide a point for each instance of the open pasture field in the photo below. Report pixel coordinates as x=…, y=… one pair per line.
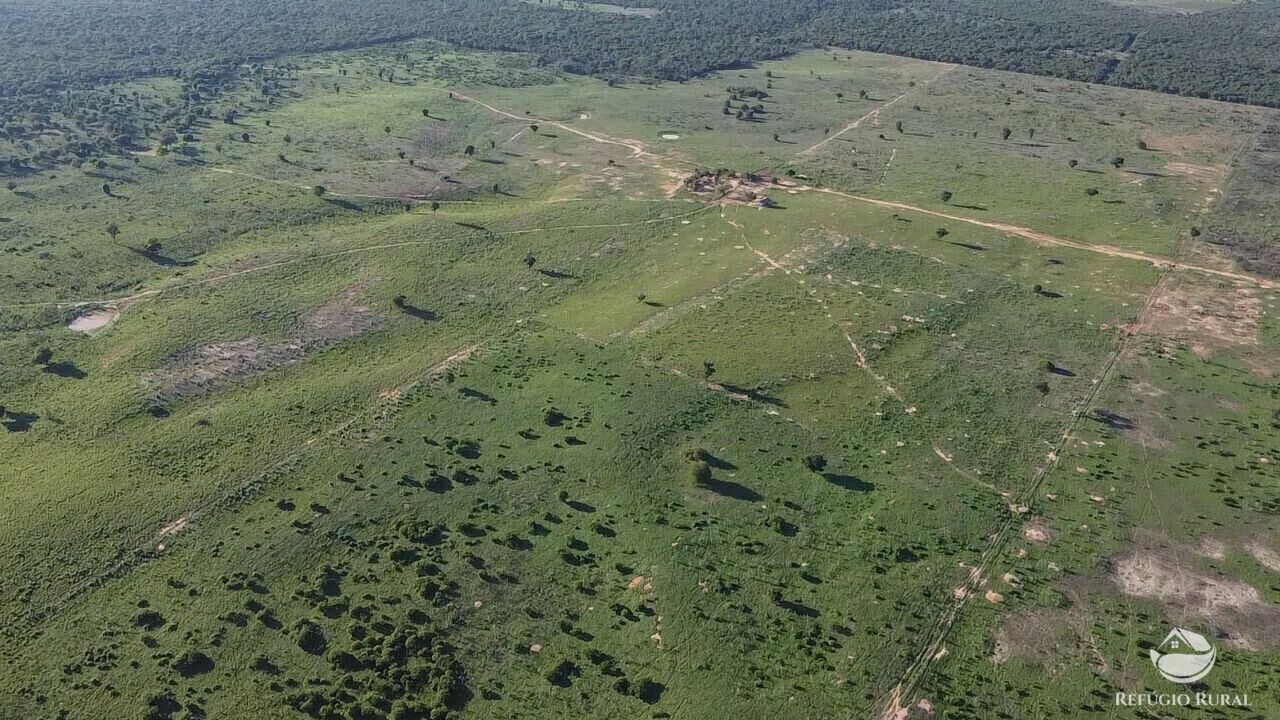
x=439, y=386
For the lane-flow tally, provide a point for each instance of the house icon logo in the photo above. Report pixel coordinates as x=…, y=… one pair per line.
x=1184, y=656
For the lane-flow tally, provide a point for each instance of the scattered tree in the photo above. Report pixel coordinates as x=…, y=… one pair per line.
x=113, y=230
x=700, y=473
x=319, y=190
x=946, y=196
x=815, y=463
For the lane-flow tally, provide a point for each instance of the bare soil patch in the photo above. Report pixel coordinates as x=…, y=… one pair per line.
x=1205, y=316
x=93, y=320
x=1046, y=637
x=1235, y=610
x=1038, y=532
x=208, y=367
x=1263, y=553
x=1210, y=176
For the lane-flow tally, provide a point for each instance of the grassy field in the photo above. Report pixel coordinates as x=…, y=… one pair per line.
x=437, y=391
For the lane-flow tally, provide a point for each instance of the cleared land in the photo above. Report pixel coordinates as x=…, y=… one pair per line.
x=453, y=395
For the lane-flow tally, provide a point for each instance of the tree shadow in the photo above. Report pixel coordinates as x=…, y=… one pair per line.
x=730, y=489
x=716, y=462
x=473, y=394
x=66, y=369
x=653, y=304
x=848, y=482
x=345, y=204
x=755, y=395
x=156, y=257
x=1113, y=420
x=1049, y=294
x=967, y=246
x=493, y=161
x=413, y=310
x=970, y=207
x=557, y=274
x=18, y=421
x=1062, y=371
x=794, y=607
x=472, y=226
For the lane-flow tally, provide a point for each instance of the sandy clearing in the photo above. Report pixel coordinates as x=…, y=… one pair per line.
x=93, y=320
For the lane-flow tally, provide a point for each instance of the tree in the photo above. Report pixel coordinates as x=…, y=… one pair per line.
x=319, y=190
x=862, y=94
x=941, y=232
x=1091, y=191
x=435, y=205
x=775, y=137
x=530, y=260
x=12, y=185
x=815, y=463
x=533, y=128
x=426, y=112
x=386, y=129
x=640, y=297
x=898, y=126
x=44, y=356
x=1005, y=133
x=700, y=473
x=244, y=137
x=1142, y=145
x=113, y=230
x=1072, y=163
x=469, y=150
x=708, y=369
x=1031, y=133
x=946, y=196
x=106, y=189
x=1116, y=162
x=1037, y=289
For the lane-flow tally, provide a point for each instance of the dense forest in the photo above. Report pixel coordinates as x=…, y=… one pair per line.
x=57, y=51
